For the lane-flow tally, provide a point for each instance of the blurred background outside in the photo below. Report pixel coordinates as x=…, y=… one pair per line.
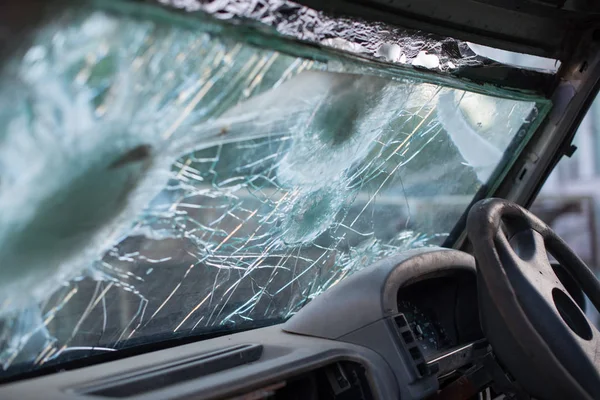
x=570, y=199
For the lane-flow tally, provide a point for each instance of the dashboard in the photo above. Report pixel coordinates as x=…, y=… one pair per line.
x=397, y=329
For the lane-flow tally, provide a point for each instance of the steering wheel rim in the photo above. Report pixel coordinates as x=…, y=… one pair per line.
x=536, y=329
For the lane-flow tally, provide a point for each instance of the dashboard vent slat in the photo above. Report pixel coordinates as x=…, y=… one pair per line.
x=147, y=380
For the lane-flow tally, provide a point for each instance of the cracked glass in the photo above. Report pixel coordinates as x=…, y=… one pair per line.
x=167, y=176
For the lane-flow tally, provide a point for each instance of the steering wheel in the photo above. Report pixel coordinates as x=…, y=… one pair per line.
x=537, y=331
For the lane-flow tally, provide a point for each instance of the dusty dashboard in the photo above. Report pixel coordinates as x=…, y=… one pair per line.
x=396, y=329
x=418, y=310
x=391, y=330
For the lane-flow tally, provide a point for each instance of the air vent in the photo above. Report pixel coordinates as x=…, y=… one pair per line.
x=411, y=345
x=150, y=379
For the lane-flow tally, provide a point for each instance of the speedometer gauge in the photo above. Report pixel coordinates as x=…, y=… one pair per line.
x=422, y=327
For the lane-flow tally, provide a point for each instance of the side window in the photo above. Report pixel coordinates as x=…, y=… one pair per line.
x=570, y=199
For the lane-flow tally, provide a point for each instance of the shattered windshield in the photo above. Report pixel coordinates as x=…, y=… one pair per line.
x=165, y=176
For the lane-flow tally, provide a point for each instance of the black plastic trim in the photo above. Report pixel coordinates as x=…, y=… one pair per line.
x=151, y=379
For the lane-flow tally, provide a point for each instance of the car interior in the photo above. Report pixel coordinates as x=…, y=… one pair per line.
x=266, y=199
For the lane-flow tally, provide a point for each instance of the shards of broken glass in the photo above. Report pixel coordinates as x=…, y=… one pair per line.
x=391, y=44
x=91, y=130
x=270, y=166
